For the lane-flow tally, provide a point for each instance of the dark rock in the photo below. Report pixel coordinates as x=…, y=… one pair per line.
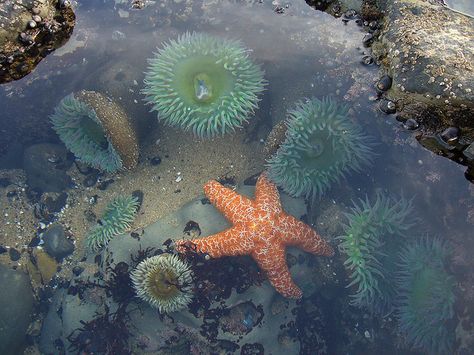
x=411, y=124
x=155, y=161
x=91, y=179
x=77, y=270
x=12, y=194
x=34, y=242
x=16, y=298
x=3, y=250
x=83, y=167
x=104, y=184
x=21, y=35
x=40, y=162
x=56, y=243
x=14, y=254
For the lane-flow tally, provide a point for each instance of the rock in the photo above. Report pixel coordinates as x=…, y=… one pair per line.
x=56, y=244
x=44, y=165
x=14, y=254
x=428, y=51
x=43, y=268
x=29, y=31
x=16, y=298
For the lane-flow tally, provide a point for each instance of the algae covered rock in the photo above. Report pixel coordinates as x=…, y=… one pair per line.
x=30, y=30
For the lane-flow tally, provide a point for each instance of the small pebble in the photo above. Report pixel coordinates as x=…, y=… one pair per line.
x=14, y=254
x=411, y=124
x=155, y=161
x=77, y=270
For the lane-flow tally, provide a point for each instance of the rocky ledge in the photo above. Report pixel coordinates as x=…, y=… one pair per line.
x=30, y=30
x=428, y=51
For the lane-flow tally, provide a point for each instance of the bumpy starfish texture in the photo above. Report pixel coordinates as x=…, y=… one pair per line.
x=261, y=229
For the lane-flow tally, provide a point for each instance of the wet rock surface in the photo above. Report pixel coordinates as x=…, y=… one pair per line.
x=30, y=30
x=16, y=297
x=56, y=243
x=427, y=50
x=45, y=166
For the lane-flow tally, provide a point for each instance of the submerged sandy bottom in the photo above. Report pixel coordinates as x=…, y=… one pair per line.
x=186, y=165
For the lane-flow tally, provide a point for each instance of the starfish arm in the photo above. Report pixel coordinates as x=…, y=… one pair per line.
x=299, y=234
x=236, y=208
x=273, y=262
x=230, y=242
x=266, y=195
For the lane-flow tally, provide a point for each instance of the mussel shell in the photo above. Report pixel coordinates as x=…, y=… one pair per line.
x=387, y=106
x=450, y=135
x=384, y=83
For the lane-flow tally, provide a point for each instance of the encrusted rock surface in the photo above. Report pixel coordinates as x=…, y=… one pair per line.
x=30, y=30
x=429, y=52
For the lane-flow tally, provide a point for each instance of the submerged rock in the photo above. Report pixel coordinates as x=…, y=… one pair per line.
x=45, y=166
x=56, y=243
x=16, y=298
x=29, y=31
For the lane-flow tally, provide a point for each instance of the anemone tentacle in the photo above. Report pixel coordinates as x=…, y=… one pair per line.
x=425, y=296
x=117, y=219
x=321, y=146
x=78, y=126
x=164, y=281
x=372, y=238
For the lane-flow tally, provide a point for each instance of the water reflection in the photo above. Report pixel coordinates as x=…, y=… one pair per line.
x=304, y=53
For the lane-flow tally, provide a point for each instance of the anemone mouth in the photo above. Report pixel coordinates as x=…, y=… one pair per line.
x=163, y=284
x=164, y=281
x=321, y=147
x=204, y=84
x=96, y=131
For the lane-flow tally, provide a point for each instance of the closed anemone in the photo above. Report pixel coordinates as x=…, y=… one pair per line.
x=164, y=281
x=204, y=84
x=425, y=296
x=96, y=130
x=321, y=146
x=117, y=219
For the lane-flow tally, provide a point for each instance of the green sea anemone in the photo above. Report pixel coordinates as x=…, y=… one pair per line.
x=117, y=219
x=371, y=242
x=425, y=296
x=96, y=130
x=203, y=83
x=320, y=147
x=164, y=281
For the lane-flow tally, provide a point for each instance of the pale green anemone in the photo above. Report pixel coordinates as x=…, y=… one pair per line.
x=425, y=297
x=164, y=281
x=203, y=83
x=371, y=242
x=117, y=219
x=321, y=146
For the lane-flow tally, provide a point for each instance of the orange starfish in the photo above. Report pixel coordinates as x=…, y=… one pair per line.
x=261, y=229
